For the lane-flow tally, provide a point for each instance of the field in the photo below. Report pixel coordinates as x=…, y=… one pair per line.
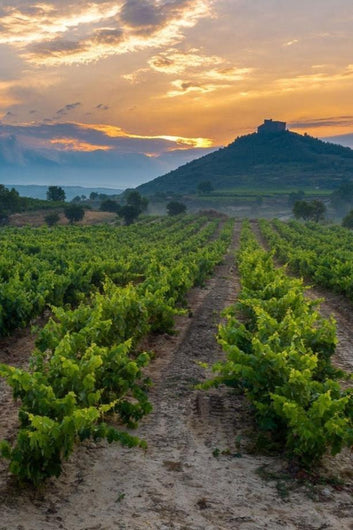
x=161, y=287
x=243, y=202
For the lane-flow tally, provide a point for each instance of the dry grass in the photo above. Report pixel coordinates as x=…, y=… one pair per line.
x=36, y=218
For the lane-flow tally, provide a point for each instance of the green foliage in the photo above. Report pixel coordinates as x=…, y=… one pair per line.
x=175, y=208
x=285, y=160
x=52, y=218
x=279, y=352
x=74, y=212
x=109, y=205
x=309, y=210
x=322, y=253
x=134, y=205
x=55, y=193
x=9, y=200
x=86, y=368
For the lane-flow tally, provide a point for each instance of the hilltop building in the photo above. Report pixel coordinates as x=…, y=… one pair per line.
x=270, y=126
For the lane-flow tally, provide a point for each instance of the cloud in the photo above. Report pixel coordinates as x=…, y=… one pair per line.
x=109, y=36
x=141, y=13
x=205, y=73
x=9, y=114
x=72, y=144
x=84, y=137
x=183, y=87
x=7, y=95
x=176, y=62
x=56, y=32
x=137, y=76
x=314, y=81
x=68, y=108
x=102, y=107
x=290, y=43
x=231, y=73
x=58, y=48
x=313, y=123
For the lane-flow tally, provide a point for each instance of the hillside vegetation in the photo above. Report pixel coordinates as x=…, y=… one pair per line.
x=284, y=159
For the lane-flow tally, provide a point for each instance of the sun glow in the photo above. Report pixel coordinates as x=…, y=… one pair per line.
x=116, y=132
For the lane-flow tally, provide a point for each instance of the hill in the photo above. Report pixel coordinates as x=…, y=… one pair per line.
x=37, y=191
x=278, y=159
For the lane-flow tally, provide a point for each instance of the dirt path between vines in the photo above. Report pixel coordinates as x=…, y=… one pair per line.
x=180, y=482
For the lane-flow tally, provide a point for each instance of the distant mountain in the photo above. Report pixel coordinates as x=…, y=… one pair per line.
x=342, y=139
x=115, y=168
x=271, y=160
x=40, y=192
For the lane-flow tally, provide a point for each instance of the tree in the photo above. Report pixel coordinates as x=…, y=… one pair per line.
x=10, y=201
x=318, y=211
x=4, y=218
x=175, y=208
x=134, y=205
x=309, y=210
x=74, y=212
x=109, y=206
x=93, y=196
x=55, y=193
x=301, y=210
x=129, y=213
x=205, y=186
x=52, y=218
x=133, y=198
x=347, y=221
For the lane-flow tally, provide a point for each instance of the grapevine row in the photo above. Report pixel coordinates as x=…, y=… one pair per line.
x=87, y=369
x=321, y=253
x=278, y=351
x=42, y=267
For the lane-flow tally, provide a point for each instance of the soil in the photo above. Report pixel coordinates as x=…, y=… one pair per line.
x=37, y=218
x=200, y=471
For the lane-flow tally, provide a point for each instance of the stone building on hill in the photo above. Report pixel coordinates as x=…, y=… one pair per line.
x=270, y=126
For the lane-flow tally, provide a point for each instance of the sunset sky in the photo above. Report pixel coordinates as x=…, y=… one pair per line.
x=169, y=79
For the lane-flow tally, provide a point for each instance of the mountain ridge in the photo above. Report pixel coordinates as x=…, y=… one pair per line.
x=284, y=159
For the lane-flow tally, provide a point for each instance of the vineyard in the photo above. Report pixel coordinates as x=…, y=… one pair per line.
x=322, y=253
x=86, y=365
x=181, y=339
x=279, y=353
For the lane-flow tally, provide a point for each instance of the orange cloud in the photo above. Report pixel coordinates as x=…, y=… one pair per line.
x=116, y=132
x=72, y=144
x=175, y=62
x=48, y=35
x=45, y=22
x=183, y=87
x=6, y=95
x=314, y=81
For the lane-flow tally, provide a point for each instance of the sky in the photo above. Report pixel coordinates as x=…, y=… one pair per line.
x=133, y=88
